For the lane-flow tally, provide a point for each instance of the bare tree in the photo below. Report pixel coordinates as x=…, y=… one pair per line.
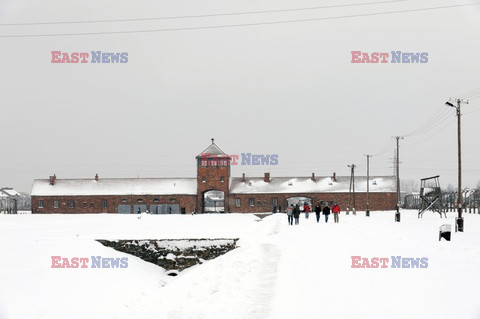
x=409, y=186
x=450, y=188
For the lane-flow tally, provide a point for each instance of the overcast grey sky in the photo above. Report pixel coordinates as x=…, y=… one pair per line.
x=288, y=89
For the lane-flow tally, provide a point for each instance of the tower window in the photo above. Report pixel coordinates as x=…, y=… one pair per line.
x=204, y=180
x=222, y=179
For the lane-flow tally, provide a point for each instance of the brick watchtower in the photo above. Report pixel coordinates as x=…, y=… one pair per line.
x=213, y=174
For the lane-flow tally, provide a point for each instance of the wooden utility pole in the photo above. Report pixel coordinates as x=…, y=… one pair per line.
x=352, y=187
x=459, y=225
x=397, y=214
x=349, y=193
x=367, y=212
x=354, y=204
x=459, y=137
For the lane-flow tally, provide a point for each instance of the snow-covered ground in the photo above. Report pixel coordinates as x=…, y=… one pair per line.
x=279, y=271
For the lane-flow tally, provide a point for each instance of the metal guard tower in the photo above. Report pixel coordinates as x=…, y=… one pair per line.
x=431, y=195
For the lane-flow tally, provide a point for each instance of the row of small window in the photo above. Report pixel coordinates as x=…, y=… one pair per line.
x=213, y=162
x=251, y=202
x=71, y=204
x=204, y=179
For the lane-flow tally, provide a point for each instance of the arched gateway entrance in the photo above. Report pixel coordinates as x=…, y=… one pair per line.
x=214, y=201
x=300, y=200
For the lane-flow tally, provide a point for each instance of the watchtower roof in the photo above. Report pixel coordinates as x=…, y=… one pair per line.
x=212, y=150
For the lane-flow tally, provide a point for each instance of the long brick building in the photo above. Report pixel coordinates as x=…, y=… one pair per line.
x=213, y=190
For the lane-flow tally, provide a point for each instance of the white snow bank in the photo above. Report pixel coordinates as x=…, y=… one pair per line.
x=278, y=271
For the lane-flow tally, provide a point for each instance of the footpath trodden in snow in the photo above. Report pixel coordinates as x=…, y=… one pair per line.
x=278, y=270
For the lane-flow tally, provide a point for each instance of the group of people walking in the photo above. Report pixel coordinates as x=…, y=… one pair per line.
x=293, y=212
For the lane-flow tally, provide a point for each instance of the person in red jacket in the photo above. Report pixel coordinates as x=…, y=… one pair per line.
x=336, y=212
x=306, y=208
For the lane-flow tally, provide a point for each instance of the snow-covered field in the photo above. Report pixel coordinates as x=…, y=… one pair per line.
x=279, y=271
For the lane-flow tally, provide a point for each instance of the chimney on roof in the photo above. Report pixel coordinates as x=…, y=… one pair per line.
x=266, y=178
x=313, y=177
x=334, y=177
x=96, y=177
x=53, y=179
x=243, y=177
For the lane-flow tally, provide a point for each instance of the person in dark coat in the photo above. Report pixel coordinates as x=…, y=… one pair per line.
x=318, y=210
x=296, y=214
x=326, y=212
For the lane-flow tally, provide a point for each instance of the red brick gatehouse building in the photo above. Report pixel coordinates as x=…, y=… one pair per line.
x=213, y=190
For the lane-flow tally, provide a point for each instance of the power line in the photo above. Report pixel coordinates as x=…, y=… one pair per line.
x=237, y=25
x=435, y=120
x=200, y=15
x=439, y=118
x=440, y=130
x=384, y=149
x=433, y=125
x=472, y=111
x=464, y=95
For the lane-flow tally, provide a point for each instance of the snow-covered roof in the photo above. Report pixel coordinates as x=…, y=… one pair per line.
x=10, y=192
x=257, y=185
x=188, y=186
x=115, y=186
x=213, y=150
